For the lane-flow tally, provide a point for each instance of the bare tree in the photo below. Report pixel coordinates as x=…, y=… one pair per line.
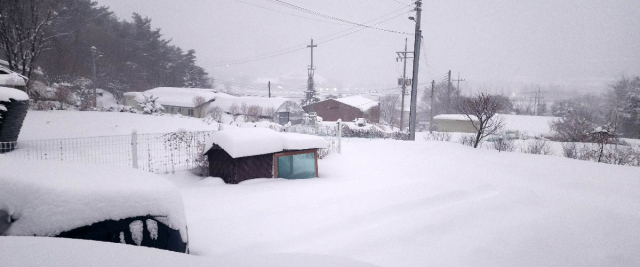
x=24, y=32
x=602, y=136
x=389, y=109
x=216, y=113
x=243, y=110
x=254, y=112
x=481, y=111
x=234, y=109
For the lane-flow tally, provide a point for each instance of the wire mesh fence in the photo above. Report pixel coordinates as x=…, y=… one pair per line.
x=158, y=153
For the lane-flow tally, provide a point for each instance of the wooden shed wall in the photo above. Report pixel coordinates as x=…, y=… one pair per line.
x=234, y=171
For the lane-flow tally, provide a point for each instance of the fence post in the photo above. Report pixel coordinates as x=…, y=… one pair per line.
x=339, y=136
x=134, y=149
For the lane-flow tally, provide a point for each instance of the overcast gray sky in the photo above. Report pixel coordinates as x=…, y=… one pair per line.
x=493, y=43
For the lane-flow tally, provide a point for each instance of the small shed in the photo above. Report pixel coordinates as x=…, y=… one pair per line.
x=237, y=155
x=454, y=123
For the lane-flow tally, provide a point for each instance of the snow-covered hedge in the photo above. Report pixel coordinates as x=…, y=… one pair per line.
x=46, y=198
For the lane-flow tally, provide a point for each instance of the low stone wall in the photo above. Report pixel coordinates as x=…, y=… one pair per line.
x=11, y=122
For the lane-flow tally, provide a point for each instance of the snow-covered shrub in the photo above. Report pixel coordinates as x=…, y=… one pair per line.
x=149, y=105
x=120, y=108
x=215, y=113
x=503, y=144
x=269, y=113
x=467, y=139
x=538, y=147
x=234, y=109
x=438, y=136
x=254, y=112
x=570, y=150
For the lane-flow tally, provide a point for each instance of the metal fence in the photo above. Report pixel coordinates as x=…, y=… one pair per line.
x=158, y=153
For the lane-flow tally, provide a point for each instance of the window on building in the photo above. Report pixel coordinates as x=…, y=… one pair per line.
x=190, y=112
x=296, y=165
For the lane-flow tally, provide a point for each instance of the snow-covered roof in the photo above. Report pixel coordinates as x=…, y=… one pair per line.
x=180, y=97
x=454, y=117
x=276, y=103
x=359, y=102
x=6, y=94
x=49, y=197
x=245, y=142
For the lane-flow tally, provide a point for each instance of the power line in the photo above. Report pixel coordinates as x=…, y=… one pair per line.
x=302, y=46
x=294, y=15
x=299, y=8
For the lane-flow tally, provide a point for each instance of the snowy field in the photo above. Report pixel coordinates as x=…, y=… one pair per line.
x=394, y=203
x=380, y=202
x=69, y=124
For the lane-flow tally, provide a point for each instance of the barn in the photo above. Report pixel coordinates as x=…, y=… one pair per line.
x=237, y=155
x=454, y=123
x=346, y=109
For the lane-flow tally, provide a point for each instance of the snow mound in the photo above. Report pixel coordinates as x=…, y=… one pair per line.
x=13, y=79
x=180, y=97
x=454, y=117
x=42, y=251
x=49, y=197
x=359, y=102
x=244, y=142
x=6, y=94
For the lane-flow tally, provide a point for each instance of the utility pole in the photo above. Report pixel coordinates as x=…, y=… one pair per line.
x=449, y=92
x=269, y=89
x=310, y=83
x=416, y=65
x=94, y=53
x=459, y=80
x=433, y=85
x=403, y=56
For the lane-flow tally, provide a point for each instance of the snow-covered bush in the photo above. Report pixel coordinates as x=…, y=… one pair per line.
x=538, y=147
x=149, y=105
x=216, y=113
x=467, y=139
x=503, y=144
x=269, y=113
x=438, y=136
x=254, y=112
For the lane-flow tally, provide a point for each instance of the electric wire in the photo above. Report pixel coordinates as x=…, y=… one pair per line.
x=308, y=11
x=304, y=46
x=294, y=15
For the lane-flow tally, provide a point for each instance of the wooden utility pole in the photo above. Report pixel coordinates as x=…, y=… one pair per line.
x=311, y=71
x=269, y=89
x=459, y=80
x=403, y=56
x=416, y=65
x=448, y=92
x=433, y=85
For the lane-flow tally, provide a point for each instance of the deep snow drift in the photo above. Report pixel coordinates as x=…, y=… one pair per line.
x=395, y=203
x=46, y=198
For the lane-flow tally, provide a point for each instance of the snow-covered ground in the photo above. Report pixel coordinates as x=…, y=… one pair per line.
x=69, y=124
x=396, y=203
x=382, y=202
x=39, y=252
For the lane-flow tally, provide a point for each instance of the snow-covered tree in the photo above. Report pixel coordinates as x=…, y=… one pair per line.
x=311, y=95
x=149, y=105
x=624, y=98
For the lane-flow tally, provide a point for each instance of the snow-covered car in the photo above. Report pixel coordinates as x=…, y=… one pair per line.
x=91, y=202
x=361, y=122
